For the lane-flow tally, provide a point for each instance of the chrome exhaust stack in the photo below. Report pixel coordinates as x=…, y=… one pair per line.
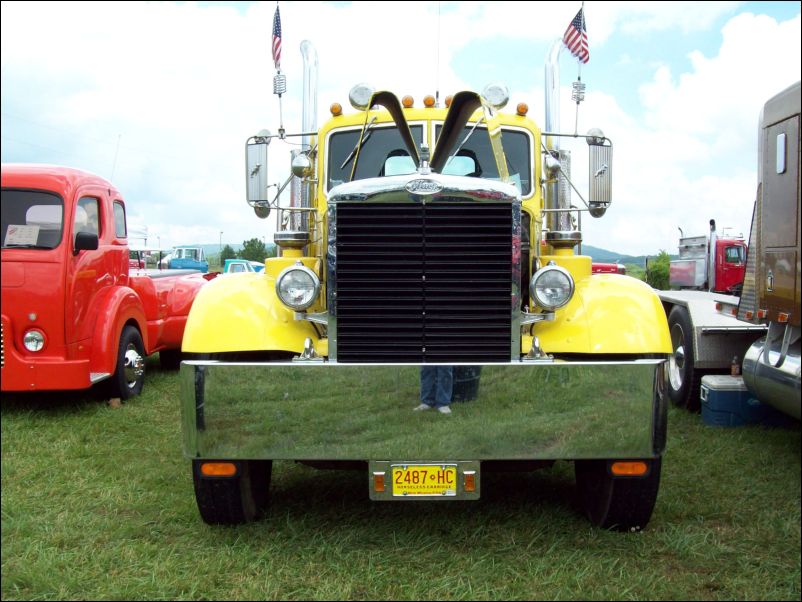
x=296, y=235
x=558, y=193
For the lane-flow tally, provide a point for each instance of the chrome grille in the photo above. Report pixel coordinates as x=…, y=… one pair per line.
x=423, y=282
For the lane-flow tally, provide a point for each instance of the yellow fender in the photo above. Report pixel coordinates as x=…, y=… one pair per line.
x=609, y=314
x=241, y=312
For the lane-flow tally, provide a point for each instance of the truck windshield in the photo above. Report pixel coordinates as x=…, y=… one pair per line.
x=31, y=219
x=383, y=153
x=475, y=158
x=734, y=254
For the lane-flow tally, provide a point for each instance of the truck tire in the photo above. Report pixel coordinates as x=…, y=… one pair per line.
x=683, y=379
x=233, y=500
x=614, y=502
x=129, y=373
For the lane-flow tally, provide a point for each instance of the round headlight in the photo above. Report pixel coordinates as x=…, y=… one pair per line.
x=297, y=287
x=551, y=287
x=34, y=340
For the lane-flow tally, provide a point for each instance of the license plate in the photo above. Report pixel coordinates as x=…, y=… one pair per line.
x=424, y=480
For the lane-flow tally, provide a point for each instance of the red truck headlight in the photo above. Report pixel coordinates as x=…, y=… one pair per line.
x=34, y=340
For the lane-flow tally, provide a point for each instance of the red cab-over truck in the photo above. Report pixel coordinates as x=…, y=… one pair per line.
x=73, y=313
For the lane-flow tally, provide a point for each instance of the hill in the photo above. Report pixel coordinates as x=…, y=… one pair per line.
x=605, y=256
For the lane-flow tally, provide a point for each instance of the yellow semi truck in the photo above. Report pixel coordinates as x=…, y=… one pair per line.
x=419, y=236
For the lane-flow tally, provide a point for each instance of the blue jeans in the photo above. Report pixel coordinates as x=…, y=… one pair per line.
x=436, y=384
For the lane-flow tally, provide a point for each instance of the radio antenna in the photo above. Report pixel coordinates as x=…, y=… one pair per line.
x=437, y=72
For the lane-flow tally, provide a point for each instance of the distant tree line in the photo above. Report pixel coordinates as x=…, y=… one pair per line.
x=252, y=250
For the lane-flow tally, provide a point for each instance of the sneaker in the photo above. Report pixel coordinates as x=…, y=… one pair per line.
x=422, y=407
x=444, y=410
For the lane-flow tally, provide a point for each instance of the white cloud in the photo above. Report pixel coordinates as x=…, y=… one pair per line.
x=165, y=95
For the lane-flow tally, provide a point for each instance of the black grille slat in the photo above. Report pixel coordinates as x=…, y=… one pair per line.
x=423, y=283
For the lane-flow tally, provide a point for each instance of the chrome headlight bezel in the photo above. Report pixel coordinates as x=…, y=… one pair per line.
x=548, y=270
x=314, y=280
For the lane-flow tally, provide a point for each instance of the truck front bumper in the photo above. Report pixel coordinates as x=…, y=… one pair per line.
x=329, y=411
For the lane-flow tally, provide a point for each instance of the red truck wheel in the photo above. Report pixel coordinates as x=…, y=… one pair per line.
x=614, y=502
x=129, y=375
x=233, y=500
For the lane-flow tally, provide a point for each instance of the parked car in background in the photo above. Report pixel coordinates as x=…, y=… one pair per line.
x=235, y=266
x=191, y=258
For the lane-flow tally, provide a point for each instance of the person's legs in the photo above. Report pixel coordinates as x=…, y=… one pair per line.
x=445, y=385
x=428, y=385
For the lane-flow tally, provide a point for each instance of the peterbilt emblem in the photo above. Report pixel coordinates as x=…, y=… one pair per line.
x=423, y=187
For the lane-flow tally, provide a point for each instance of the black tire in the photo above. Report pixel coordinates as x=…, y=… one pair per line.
x=617, y=503
x=233, y=500
x=684, y=380
x=129, y=373
x=170, y=359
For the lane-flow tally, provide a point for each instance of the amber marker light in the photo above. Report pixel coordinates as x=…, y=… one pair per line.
x=407, y=101
x=449, y=98
x=522, y=108
x=629, y=469
x=218, y=469
x=783, y=317
x=378, y=482
x=428, y=101
x=336, y=109
x=469, y=481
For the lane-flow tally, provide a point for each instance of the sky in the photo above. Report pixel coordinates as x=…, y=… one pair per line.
x=160, y=97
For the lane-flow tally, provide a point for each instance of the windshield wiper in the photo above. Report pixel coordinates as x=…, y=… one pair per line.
x=25, y=246
x=362, y=140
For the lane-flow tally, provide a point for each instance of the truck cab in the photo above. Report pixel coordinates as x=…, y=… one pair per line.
x=188, y=258
x=713, y=263
x=74, y=313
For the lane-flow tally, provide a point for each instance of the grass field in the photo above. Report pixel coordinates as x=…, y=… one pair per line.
x=97, y=503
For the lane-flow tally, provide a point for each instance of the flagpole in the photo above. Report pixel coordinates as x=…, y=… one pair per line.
x=279, y=80
x=578, y=87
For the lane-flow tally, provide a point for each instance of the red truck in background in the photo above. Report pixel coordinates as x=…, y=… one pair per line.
x=73, y=312
x=598, y=267
x=712, y=263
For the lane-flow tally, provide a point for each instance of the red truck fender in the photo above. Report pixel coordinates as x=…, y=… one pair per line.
x=118, y=306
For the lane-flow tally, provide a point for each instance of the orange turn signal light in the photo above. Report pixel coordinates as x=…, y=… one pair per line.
x=428, y=101
x=449, y=98
x=522, y=108
x=336, y=109
x=378, y=482
x=783, y=317
x=218, y=469
x=407, y=101
x=469, y=482
x=629, y=469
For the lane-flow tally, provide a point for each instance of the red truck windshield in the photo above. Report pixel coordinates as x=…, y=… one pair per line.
x=31, y=219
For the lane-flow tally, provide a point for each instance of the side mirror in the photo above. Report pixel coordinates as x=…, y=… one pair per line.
x=256, y=169
x=85, y=241
x=601, y=172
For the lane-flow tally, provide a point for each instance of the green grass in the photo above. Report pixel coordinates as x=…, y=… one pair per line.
x=97, y=503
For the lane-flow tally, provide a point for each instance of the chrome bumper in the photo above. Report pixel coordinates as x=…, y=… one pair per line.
x=328, y=411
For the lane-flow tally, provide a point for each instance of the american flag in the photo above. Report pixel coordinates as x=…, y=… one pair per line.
x=576, y=38
x=277, y=39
